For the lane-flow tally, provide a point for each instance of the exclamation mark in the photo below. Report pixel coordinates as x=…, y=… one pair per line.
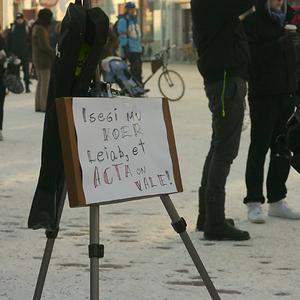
x=168, y=175
x=84, y=114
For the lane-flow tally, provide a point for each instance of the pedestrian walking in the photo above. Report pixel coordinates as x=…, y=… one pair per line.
x=42, y=57
x=2, y=87
x=223, y=62
x=130, y=40
x=18, y=45
x=272, y=87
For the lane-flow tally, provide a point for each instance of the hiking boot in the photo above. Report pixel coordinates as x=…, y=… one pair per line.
x=202, y=212
x=280, y=209
x=255, y=213
x=225, y=232
x=201, y=223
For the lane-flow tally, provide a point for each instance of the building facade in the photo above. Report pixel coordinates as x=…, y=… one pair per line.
x=163, y=22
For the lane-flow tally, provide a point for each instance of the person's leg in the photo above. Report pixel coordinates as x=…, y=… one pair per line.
x=38, y=91
x=279, y=167
x=2, y=98
x=25, y=68
x=44, y=80
x=202, y=191
x=263, y=114
x=226, y=139
x=135, y=60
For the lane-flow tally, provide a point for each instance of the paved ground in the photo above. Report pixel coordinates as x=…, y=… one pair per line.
x=144, y=258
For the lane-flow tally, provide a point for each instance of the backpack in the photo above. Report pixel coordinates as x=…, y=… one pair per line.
x=115, y=26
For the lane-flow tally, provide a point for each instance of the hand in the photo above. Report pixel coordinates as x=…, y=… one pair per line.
x=289, y=39
x=2, y=54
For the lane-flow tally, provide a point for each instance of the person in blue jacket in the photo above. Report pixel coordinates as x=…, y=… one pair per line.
x=130, y=39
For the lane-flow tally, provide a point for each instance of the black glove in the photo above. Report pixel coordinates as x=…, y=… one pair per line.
x=289, y=40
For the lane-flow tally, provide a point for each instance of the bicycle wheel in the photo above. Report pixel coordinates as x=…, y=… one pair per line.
x=171, y=85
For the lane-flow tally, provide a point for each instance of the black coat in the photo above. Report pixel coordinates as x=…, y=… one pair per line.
x=2, y=47
x=273, y=62
x=220, y=39
x=18, y=40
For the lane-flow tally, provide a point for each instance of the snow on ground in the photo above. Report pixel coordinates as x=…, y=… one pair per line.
x=144, y=257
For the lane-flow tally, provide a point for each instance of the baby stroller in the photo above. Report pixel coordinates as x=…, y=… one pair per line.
x=116, y=71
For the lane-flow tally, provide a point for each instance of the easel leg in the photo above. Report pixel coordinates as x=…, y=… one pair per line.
x=96, y=251
x=43, y=269
x=180, y=226
x=51, y=236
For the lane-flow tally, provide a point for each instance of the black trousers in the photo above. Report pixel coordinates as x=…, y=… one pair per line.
x=269, y=115
x=135, y=60
x=2, y=98
x=224, y=144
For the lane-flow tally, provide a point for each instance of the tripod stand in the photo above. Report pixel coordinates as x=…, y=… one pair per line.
x=96, y=251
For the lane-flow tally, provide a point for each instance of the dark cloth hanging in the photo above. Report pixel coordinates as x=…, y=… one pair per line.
x=81, y=42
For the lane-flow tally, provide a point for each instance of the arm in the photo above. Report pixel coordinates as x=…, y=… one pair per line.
x=263, y=50
x=234, y=8
x=41, y=42
x=122, y=30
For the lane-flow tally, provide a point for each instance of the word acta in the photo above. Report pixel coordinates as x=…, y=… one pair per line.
x=116, y=172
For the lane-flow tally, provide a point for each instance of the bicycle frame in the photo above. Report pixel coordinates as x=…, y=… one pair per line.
x=162, y=54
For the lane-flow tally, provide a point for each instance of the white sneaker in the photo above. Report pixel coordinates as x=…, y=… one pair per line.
x=1, y=135
x=255, y=213
x=280, y=209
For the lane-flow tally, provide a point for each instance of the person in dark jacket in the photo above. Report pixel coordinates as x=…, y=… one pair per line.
x=18, y=45
x=272, y=87
x=223, y=62
x=2, y=87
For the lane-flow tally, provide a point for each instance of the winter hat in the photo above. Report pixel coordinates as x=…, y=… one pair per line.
x=45, y=14
x=130, y=5
x=19, y=15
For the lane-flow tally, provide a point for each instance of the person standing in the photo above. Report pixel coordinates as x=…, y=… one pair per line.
x=130, y=40
x=42, y=57
x=2, y=87
x=272, y=88
x=18, y=45
x=223, y=62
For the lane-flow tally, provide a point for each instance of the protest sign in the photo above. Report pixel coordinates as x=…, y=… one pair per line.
x=117, y=149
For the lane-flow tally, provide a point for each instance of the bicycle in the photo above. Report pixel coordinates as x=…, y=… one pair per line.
x=170, y=83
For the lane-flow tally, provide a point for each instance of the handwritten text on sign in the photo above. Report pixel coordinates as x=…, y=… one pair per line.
x=123, y=148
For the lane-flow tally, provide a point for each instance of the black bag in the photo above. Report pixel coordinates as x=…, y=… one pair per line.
x=13, y=83
x=80, y=45
x=11, y=79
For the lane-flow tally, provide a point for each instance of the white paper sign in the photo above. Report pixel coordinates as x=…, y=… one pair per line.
x=123, y=148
